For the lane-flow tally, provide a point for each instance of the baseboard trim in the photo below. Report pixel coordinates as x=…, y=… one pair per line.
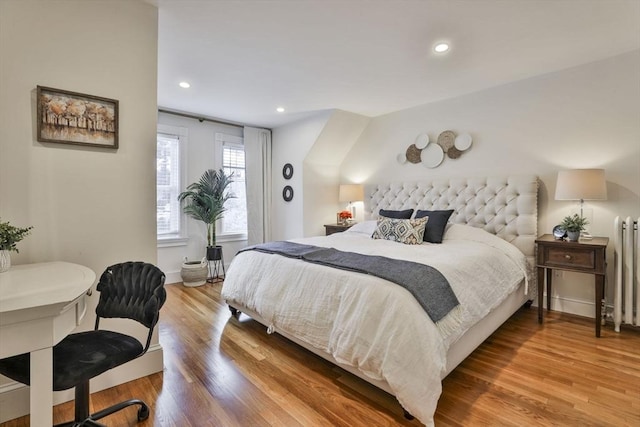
x=172, y=277
x=14, y=397
x=571, y=306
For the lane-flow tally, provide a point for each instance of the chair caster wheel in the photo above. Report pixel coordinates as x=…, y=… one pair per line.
x=143, y=413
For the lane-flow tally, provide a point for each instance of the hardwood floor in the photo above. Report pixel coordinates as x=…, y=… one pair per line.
x=222, y=372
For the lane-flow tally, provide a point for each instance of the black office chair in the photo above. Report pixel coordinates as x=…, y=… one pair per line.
x=131, y=290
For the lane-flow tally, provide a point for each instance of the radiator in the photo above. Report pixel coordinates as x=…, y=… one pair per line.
x=626, y=301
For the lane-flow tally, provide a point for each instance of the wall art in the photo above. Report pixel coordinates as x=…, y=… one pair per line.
x=431, y=154
x=287, y=193
x=287, y=171
x=76, y=118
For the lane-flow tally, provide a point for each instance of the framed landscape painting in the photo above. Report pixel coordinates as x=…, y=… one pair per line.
x=75, y=118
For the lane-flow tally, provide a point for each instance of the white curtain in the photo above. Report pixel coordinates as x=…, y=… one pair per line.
x=257, y=147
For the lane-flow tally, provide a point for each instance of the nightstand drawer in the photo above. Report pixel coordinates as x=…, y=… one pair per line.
x=571, y=258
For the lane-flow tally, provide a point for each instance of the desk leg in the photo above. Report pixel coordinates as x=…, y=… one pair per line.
x=41, y=389
x=599, y=298
x=540, y=292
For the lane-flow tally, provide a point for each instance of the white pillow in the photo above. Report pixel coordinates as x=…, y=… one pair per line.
x=365, y=227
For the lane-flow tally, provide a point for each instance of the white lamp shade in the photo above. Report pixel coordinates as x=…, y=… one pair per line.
x=581, y=184
x=351, y=193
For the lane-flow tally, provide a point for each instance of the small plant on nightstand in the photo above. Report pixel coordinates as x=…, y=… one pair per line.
x=573, y=225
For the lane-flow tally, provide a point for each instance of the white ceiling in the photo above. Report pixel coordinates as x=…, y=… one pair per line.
x=244, y=58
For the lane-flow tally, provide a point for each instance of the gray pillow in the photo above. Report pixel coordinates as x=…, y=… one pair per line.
x=436, y=225
x=406, y=214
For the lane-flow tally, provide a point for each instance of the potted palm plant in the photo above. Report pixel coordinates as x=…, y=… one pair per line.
x=573, y=225
x=204, y=201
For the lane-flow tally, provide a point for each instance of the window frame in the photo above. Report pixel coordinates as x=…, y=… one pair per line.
x=182, y=238
x=220, y=140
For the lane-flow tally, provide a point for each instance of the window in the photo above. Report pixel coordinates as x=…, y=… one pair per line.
x=169, y=170
x=234, y=221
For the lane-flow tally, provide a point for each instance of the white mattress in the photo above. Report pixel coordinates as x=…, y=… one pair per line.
x=374, y=327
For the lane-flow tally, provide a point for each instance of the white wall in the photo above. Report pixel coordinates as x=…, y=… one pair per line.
x=315, y=147
x=90, y=206
x=201, y=155
x=322, y=169
x=583, y=117
x=290, y=144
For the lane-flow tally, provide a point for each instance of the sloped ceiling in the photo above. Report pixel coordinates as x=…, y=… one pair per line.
x=245, y=58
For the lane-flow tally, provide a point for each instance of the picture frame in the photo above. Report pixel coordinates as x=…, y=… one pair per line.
x=67, y=117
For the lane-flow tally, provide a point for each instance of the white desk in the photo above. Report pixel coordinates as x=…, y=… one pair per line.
x=40, y=304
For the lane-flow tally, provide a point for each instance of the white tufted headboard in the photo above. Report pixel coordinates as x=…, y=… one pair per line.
x=506, y=206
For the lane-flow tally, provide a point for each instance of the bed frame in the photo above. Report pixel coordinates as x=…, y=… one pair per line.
x=505, y=206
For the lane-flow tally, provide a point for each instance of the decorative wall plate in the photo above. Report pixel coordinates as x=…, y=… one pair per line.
x=446, y=140
x=401, y=158
x=453, y=153
x=413, y=154
x=422, y=141
x=432, y=156
x=463, y=141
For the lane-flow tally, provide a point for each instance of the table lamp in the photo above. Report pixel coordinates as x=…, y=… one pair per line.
x=581, y=184
x=351, y=193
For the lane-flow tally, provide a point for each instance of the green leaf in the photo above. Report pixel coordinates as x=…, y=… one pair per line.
x=204, y=200
x=11, y=235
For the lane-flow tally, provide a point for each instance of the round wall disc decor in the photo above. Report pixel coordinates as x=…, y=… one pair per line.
x=453, y=153
x=463, y=142
x=413, y=154
x=287, y=171
x=432, y=156
x=446, y=140
x=422, y=141
x=287, y=193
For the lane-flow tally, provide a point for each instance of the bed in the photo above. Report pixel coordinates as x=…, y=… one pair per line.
x=376, y=329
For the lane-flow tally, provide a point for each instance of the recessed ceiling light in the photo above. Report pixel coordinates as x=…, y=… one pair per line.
x=184, y=85
x=441, y=47
x=280, y=110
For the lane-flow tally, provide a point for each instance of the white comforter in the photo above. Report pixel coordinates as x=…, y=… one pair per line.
x=374, y=325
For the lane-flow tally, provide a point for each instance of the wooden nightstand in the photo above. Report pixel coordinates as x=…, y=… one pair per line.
x=584, y=256
x=335, y=228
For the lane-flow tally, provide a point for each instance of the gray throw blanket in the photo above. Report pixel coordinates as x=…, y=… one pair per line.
x=429, y=287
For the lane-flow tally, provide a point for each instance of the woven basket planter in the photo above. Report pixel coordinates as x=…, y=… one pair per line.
x=194, y=273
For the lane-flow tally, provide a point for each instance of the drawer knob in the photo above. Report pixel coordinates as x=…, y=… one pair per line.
x=567, y=257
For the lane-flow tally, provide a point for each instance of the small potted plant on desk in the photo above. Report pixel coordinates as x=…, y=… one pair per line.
x=573, y=225
x=9, y=237
x=204, y=201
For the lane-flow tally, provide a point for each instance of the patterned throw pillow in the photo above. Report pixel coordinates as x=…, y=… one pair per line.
x=407, y=231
